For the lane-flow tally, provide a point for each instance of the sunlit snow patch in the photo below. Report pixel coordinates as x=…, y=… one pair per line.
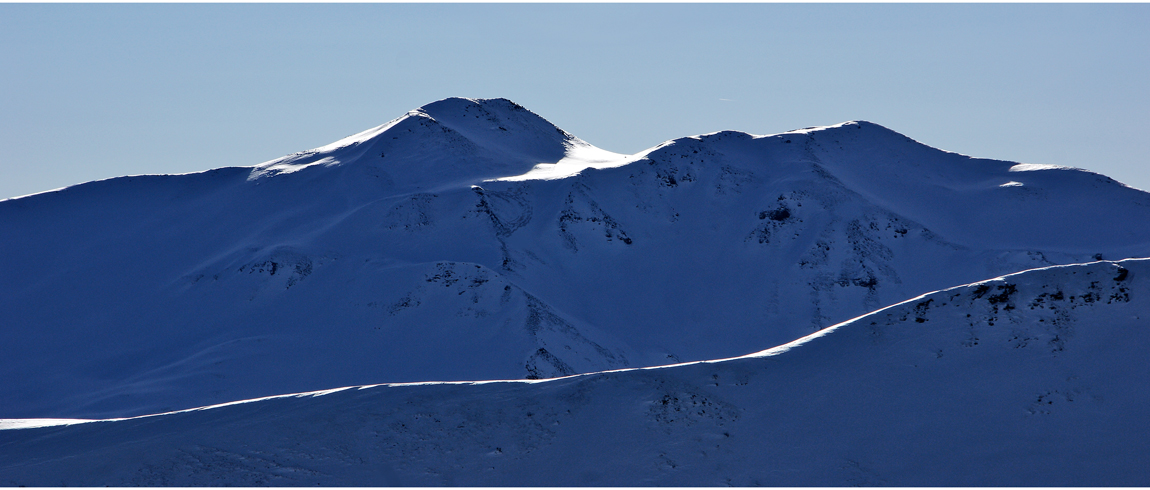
x=1030, y=167
x=579, y=157
x=288, y=167
x=813, y=129
x=290, y=163
x=6, y=424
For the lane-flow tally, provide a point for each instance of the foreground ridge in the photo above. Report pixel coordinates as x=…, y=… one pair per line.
x=1023, y=379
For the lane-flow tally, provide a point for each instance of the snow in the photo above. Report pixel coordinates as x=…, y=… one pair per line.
x=1020, y=380
x=285, y=165
x=6, y=424
x=813, y=129
x=470, y=240
x=961, y=198
x=1030, y=167
x=577, y=159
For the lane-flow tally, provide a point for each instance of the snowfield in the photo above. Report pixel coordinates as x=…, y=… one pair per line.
x=1036, y=378
x=471, y=240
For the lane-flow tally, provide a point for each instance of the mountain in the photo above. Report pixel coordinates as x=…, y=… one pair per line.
x=474, y=240
x=1029, y=379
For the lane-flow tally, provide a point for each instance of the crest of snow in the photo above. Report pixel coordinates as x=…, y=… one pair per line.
x=366, y=135
x=1012, y=184
x=287, y=165
x=580, y=156
x=1030, y=167
x=818, y=128
x=6, y=424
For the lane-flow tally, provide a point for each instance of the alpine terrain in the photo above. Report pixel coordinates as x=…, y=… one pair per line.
x=624, y=300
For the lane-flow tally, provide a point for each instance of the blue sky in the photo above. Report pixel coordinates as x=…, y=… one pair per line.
x=97, y=91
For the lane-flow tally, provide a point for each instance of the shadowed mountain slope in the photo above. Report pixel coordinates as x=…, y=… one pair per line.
x=473, y=240
x=1036, y=378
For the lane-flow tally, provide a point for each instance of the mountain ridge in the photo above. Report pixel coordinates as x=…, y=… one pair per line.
x=148, y=294
x=1022, y=379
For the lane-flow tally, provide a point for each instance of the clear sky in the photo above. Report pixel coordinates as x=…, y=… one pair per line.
x=97, y=91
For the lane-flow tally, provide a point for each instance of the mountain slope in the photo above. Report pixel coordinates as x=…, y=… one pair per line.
x=443, y=144
x=963, y=198
x=472, y=239
x=1028, y=379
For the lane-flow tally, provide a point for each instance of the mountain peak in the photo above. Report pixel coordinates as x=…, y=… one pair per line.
x=851, y=128
x=502, y=124
x=456, y=106
x=450, y=141
x=459, y=142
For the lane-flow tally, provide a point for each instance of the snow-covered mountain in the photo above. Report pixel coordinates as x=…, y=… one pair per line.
x=1037, y=378
x=474, y=240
